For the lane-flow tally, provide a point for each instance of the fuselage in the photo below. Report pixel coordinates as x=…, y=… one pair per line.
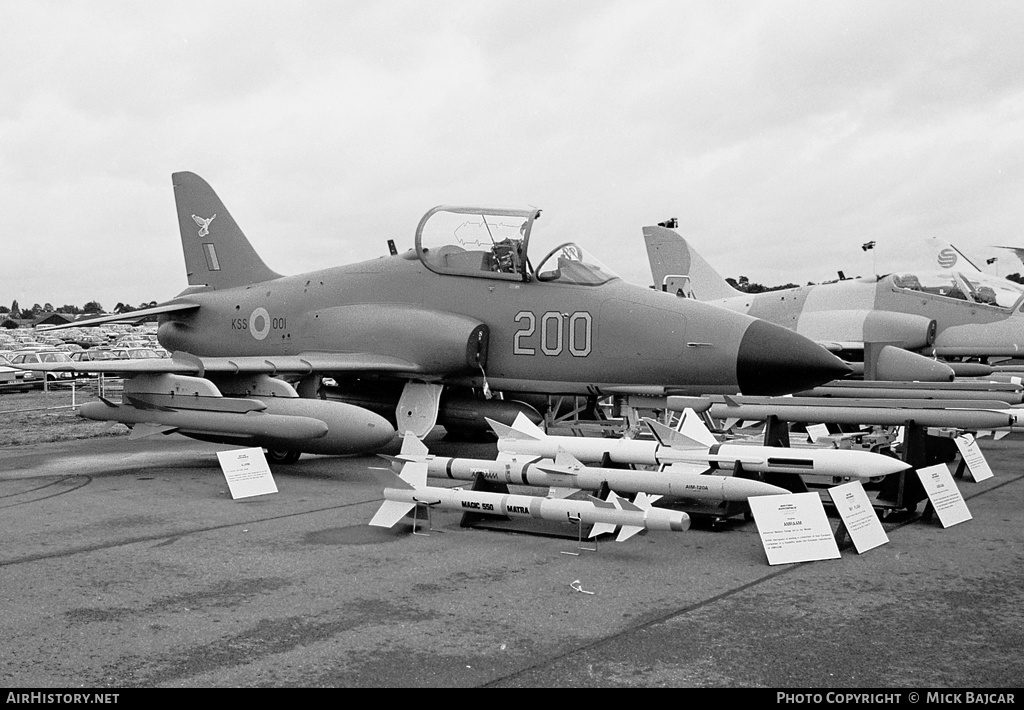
x=884, y=310
x=541, y=336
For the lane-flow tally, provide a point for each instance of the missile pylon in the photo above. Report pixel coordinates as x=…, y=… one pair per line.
x=695, y=445
x=566, y=475
x=402, y=493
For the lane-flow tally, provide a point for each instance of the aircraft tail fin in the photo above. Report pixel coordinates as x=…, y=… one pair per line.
x=948, y=258
x=217, y=253
x=670, y=255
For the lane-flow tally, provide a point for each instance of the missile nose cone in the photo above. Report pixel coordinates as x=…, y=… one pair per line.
x=773, y=361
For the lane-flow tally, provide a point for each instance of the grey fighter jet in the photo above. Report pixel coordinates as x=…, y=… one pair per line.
x=467, y=320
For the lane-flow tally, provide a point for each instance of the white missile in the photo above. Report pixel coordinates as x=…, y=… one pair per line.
x=972, y=415
x=567, y=475
x=402, y=493
x=696, y=445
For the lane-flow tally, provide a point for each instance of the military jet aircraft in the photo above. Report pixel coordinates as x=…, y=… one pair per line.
x=946, y=313
x=448, y=332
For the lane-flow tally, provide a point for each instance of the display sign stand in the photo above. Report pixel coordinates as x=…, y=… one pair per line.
x=794, y=528
x=972, y=460
x=858, y=520
x=944, y=498
x=247, y=472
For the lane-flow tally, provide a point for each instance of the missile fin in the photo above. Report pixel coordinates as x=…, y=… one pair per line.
x=645, y=500
x=389, y=479
x=564, y=458
x=626, y=505
x=685, y=467
x=693, y=426
x=390, y=513
x=558, y=470
x=560, y=492
x=628, y=531
x=601, y=529
x=524, y=425
x=415, y=474
x=610, y=503
x=667, y=436
x=141, y=431
x=506, y=432
x=412, y=446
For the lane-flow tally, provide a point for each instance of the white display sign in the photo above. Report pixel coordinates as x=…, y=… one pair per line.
x=945, y=497
x=247, y=472
x=793, y=528
x=972, y=456
x=859, y=517
x=817, y=431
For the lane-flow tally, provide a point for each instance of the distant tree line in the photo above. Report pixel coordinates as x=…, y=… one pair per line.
x=16, y=311
x=744, y=284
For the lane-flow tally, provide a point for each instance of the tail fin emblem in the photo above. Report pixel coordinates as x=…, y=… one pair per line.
x=204, y=224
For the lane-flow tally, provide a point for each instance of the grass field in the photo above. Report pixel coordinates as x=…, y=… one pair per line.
x=38, y=417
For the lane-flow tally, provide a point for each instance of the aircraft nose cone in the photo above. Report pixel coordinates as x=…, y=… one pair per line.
x=773, y=361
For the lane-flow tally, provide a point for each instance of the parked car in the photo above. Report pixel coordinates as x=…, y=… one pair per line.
x=43, y=357
x=92, y=355
x=134, y=353
x=14, y=379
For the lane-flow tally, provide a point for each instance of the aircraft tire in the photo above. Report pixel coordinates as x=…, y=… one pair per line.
x=282, y=457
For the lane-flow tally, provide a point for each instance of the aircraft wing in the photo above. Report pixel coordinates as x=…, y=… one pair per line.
x=170, y=307
x=181, y=363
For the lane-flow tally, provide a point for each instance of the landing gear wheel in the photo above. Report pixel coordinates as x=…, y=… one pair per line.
x=282, y=457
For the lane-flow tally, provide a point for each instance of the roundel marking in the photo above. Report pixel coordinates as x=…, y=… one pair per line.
x=947, y=257
x=259, y=323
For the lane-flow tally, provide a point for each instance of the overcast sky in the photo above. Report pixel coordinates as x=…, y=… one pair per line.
x=783, y=135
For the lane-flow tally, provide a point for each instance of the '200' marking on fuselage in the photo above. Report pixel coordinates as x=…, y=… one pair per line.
x=558, y=332
x=259, y=323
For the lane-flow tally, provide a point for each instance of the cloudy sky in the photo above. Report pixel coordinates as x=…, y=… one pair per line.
x=782, y=135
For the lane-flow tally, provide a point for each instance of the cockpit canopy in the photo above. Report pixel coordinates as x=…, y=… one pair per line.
x=974, y=287
x=493, y=244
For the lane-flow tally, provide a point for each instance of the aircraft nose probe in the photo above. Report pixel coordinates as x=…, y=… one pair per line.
x=773, y=360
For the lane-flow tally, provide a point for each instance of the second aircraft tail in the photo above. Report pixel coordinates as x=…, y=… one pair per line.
x=670, y=255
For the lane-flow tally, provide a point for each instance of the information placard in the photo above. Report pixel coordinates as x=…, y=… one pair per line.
x=817, y=431
x=858, y=515
x=945, y=497
x=793, y=528
x=247, y=472
x=977, y=466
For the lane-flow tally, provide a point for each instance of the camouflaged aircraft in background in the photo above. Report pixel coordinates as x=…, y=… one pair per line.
x=947, y=312
x=422, y=337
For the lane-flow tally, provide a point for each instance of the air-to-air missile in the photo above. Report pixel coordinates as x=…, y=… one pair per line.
x=971, y=415
x=976, y=390
x=695, y=445
x=402, y=493
x=567, y=475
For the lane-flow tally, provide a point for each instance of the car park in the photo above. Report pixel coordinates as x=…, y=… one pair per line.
x=43, y=357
